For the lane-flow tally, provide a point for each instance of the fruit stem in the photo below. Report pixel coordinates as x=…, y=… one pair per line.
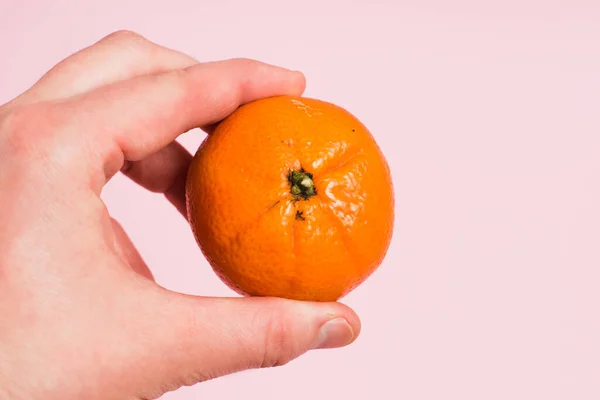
x=302, y=184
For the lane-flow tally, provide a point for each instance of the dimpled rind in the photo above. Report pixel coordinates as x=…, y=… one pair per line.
x=261, y=237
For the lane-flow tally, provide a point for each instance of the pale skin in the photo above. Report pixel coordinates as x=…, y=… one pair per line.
x=80, y=314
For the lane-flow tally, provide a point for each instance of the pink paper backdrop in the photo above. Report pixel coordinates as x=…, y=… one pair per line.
x=489, y=114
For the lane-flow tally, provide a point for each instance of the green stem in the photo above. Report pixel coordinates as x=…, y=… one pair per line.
x=302, y=184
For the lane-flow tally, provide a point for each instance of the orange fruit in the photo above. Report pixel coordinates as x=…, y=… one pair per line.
x=291, y=197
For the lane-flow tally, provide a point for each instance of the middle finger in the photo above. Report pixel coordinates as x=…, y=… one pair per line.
x=117, y=57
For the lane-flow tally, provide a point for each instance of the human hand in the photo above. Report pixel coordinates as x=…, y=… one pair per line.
x=80, y=314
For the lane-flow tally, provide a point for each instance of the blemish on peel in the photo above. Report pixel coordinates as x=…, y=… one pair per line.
x=311, y=112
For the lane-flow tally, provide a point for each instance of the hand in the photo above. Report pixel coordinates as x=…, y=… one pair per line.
x=80, y=315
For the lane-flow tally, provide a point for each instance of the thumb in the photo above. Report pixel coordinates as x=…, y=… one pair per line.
x=212, y=337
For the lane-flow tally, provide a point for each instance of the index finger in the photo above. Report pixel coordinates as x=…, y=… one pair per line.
x=134, y=119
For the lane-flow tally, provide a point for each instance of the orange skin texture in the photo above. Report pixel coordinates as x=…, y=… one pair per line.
x=261, y=239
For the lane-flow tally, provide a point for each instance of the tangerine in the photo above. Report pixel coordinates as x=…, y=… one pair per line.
x=291, y=197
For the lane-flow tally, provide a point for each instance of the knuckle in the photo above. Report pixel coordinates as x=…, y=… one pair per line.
x=177, y=77
x=176, y=85
x=127, y=37
x=278, y=347
x=33, y=130
x=245, y=63
x=251, y=68
x=16, y=128
x=248, y=75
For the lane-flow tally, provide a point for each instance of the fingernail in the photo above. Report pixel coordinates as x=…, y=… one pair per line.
x=300, y=74
x=334, y=333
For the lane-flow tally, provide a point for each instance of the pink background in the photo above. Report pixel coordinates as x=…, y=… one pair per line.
x=489, y=114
